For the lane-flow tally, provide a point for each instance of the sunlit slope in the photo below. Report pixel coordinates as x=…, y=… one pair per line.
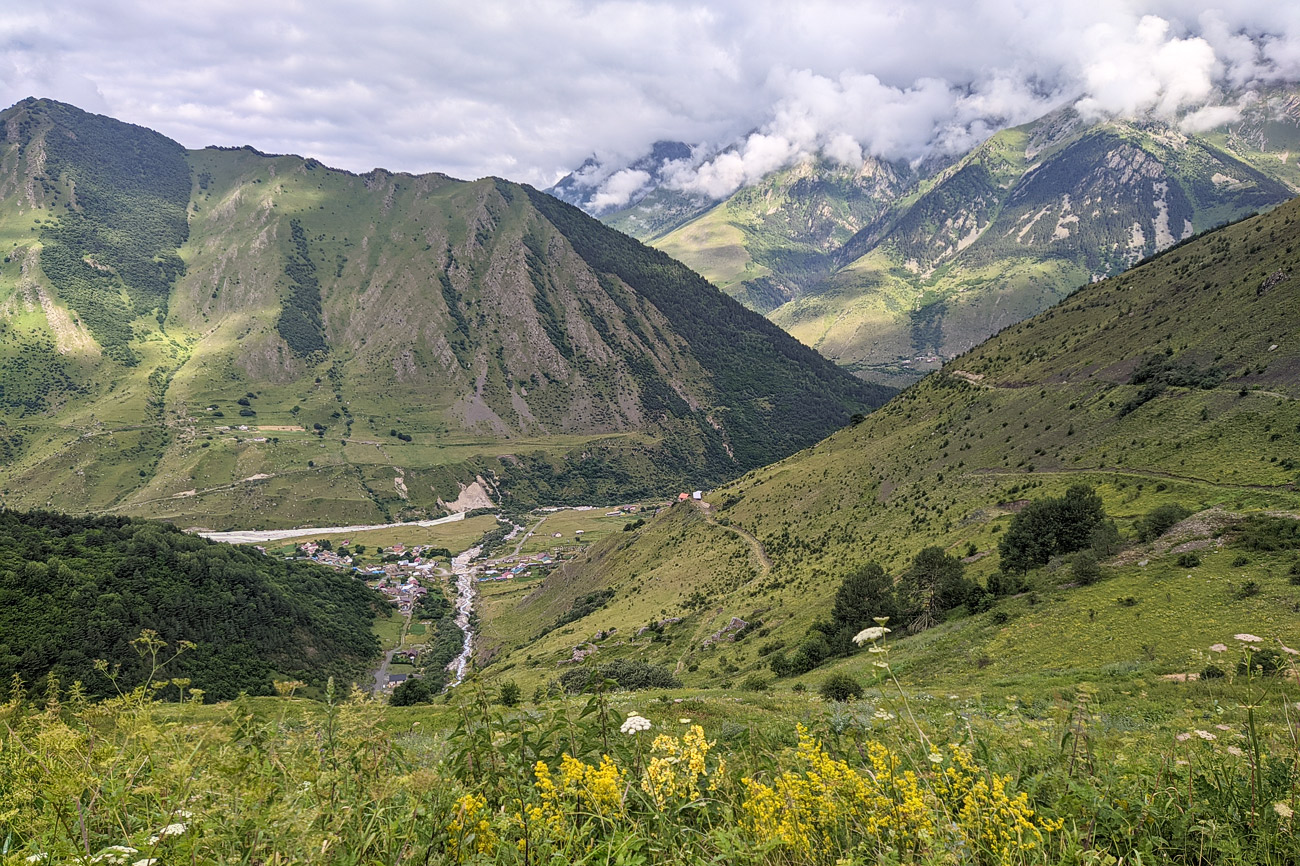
x=1044, y=405
x=288, y=343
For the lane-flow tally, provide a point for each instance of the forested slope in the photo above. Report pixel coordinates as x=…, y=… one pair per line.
x=77, y=590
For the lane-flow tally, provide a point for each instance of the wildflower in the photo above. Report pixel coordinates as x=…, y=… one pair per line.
x=684, y=721
x=872, y=634
x=1219, y=648
x=884, y=715
x=936, y=758
x=147, y=861
x=1248, y=638
x=1182, y=737
x=635, y=724
x=1224, y=727
x=1283, y=810
x=1235, y=752
x=1205, y=735
x=1286, y=649
x=114, y=854
x=37, y=857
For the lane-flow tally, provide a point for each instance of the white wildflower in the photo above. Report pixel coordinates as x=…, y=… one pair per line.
x=1224, y=727
x=1183, y=737
x=870, y=635
x=635, y=724
x=1286, y=649
x=1205, y=735
x=147, y=861
x=1249, y=638
x=1283, y=810
x=1235, y=752
x=684, y=721
x=37, y=857
x=1219, y=648
x=936, y=758
x=172, y=830
x=884, y=715
x=114, y=855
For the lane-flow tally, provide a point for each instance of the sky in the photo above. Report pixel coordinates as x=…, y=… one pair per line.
x=530, y=89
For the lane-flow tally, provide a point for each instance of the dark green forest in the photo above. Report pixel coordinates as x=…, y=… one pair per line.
x=73, y=590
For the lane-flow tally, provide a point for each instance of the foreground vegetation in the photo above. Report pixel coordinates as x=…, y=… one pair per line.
x=895, y=777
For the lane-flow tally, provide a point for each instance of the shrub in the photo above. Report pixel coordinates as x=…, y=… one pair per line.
x=1212, y=672
x=510, y=693
x=1246, y=590
x=841, y=687
x=1084, y=568
x=1239, y=561
x=625, y=673
x=1159, y=520
x=756, y=682
x=1265, y=661
x=1188, y=560
x=1269, y=533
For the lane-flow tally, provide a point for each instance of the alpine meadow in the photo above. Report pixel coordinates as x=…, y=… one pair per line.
x=933, y=508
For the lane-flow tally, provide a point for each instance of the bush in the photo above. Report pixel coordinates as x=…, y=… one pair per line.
x=1085, y=569
x=1247, y=590
x=1160, y=520
x=1212, y=672
x=841, y=687
x=756, y=682
x=1188, y=560
x=510, y=693
x=1269, y=533
x=625, y=673
x=1239, y=561
x=1265, y=661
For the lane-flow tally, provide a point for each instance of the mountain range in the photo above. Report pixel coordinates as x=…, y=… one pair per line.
x=226, y=337
x=889, y=267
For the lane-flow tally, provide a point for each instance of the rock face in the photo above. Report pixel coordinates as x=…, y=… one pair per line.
x=390, y=316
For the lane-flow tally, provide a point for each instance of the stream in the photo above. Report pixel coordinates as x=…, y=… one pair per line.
x=465, y=581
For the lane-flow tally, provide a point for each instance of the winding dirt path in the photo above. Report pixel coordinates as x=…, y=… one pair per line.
x=755, y=546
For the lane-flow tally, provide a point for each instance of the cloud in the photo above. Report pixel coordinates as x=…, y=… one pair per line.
x=619, y=189
x=529, y=89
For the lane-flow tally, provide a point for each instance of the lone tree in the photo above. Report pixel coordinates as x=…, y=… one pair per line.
x=935, y=582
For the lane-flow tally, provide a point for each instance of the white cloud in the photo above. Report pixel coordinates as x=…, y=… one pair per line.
x=528, y=89
x=619, y=189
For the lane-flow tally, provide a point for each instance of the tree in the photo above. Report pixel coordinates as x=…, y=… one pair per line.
x=411, y=692
x=1050, y=526
x=935, y=582
x=864, y=594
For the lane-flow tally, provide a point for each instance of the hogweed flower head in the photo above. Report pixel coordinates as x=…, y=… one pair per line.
x=1248, y=638
x=635, y=724
x=870, y=635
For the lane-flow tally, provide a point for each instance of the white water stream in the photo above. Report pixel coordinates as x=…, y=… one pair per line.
x=460, y=566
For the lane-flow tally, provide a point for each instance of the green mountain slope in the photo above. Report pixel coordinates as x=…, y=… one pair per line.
x=76, y=590
x=1173, y=384
x=228, y=338
x=890, y=269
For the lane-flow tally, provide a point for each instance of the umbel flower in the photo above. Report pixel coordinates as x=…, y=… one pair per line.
x=635, y=724
x=870, y=635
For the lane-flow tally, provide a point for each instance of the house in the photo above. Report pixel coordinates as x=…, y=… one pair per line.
x=682, y=497
x=699, y=494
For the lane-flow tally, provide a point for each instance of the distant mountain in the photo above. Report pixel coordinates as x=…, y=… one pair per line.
x=1175, y=384
x=890, y=268
x=224, y=337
